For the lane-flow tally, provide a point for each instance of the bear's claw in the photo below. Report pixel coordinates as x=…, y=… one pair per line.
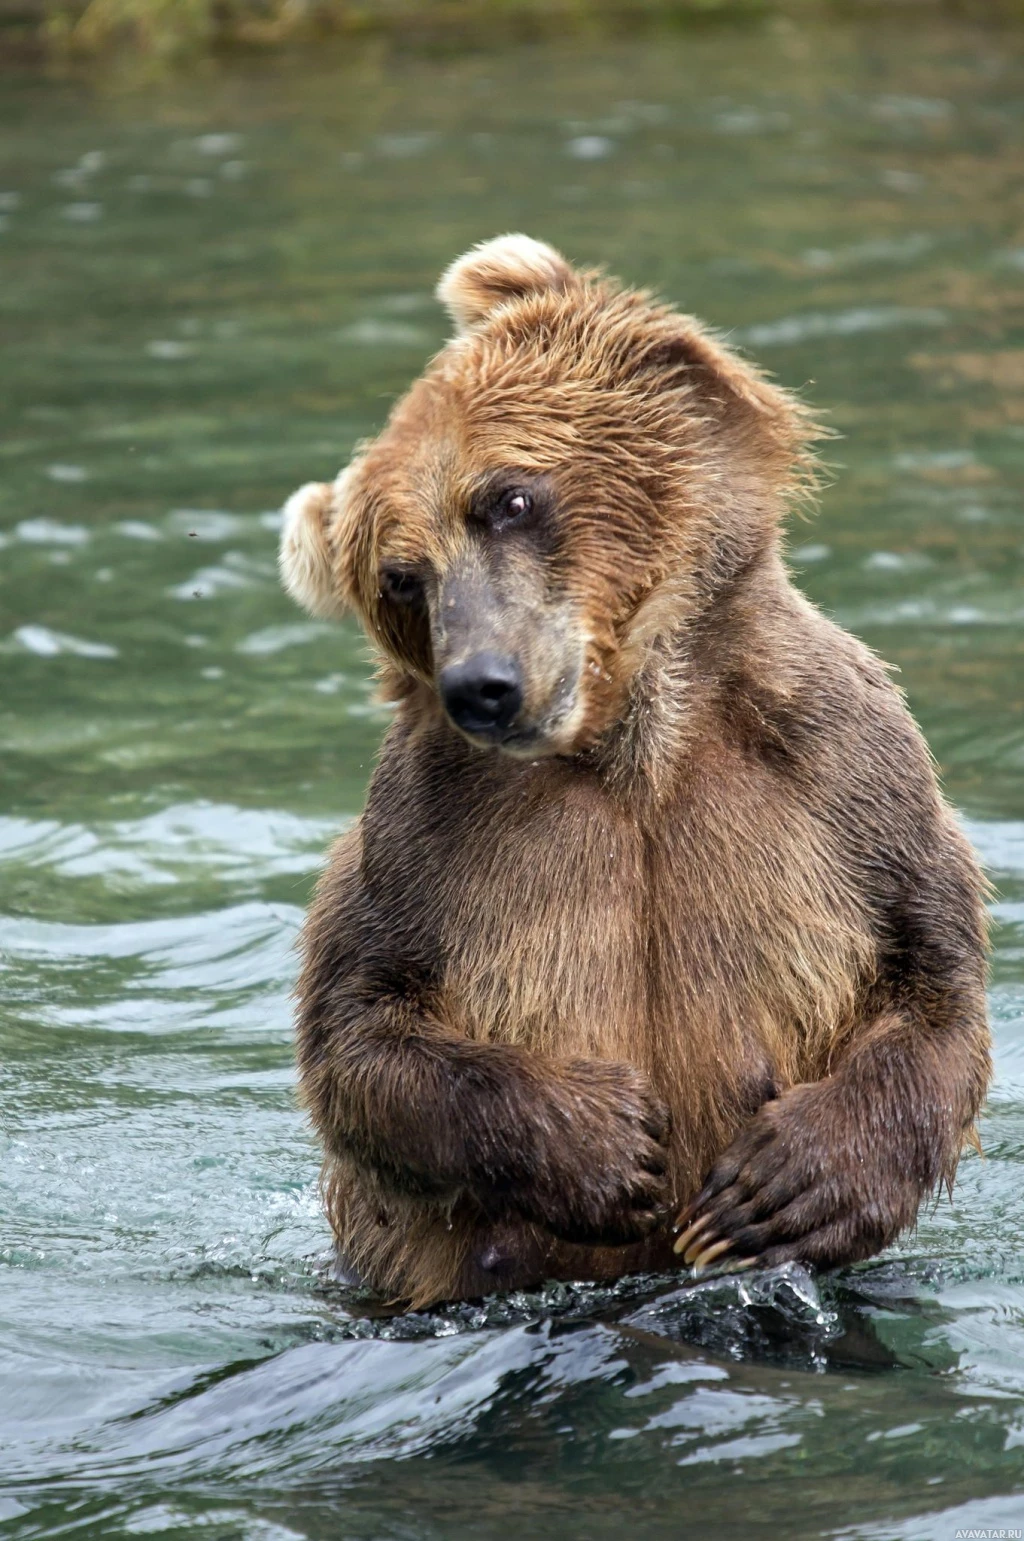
x=706, y=1256
x=700, y=1250
x=687, y=1243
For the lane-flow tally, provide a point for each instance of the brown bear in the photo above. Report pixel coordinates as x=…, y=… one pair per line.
x=655, y=901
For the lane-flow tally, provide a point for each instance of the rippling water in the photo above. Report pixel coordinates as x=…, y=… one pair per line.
x=208, y=292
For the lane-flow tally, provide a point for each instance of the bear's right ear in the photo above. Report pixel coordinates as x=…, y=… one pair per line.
x=314, y=557
x=508, y=268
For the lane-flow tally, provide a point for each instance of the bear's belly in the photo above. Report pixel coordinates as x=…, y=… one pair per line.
x=417, y=1254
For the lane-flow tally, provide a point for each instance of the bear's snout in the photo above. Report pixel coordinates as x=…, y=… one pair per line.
x=483, y=694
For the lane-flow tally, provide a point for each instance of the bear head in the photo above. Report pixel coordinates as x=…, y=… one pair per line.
x=580, y=472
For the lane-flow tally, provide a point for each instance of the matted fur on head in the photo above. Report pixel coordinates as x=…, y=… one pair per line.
x=578, y=469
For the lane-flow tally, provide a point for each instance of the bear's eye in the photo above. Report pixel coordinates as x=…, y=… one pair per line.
x=404, y=587
x=499, y=503
x=513, y=505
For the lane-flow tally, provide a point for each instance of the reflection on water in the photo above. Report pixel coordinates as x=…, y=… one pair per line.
x=208, y=295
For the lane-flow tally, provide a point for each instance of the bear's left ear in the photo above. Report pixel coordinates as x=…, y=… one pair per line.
x=733, y=393
x=508, y=268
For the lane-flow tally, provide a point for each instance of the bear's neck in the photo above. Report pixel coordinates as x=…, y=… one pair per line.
x=685, y=695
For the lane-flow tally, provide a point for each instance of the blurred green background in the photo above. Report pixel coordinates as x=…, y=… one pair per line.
x=181, y=30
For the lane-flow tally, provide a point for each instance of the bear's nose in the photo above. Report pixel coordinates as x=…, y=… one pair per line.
x=482, y=694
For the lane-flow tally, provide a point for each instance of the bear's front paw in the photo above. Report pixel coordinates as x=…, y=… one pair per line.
x=605, y=1184
x=803, y=1182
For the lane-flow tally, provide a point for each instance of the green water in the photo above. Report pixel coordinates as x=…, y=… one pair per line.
x=208, y=291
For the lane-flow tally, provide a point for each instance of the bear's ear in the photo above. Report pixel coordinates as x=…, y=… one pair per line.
x=733, y=393
x=507, y=268
x=314, y=557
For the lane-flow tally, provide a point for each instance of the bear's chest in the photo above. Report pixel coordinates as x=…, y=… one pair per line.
x=522, y=890
x=543, y=912
x=546, y=943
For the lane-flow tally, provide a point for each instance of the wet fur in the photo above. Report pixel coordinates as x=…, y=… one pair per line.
x=730, y=929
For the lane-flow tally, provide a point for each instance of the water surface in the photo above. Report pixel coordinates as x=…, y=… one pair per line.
x=209, y=290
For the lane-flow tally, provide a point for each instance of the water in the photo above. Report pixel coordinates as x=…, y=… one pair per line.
x=210, y=289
